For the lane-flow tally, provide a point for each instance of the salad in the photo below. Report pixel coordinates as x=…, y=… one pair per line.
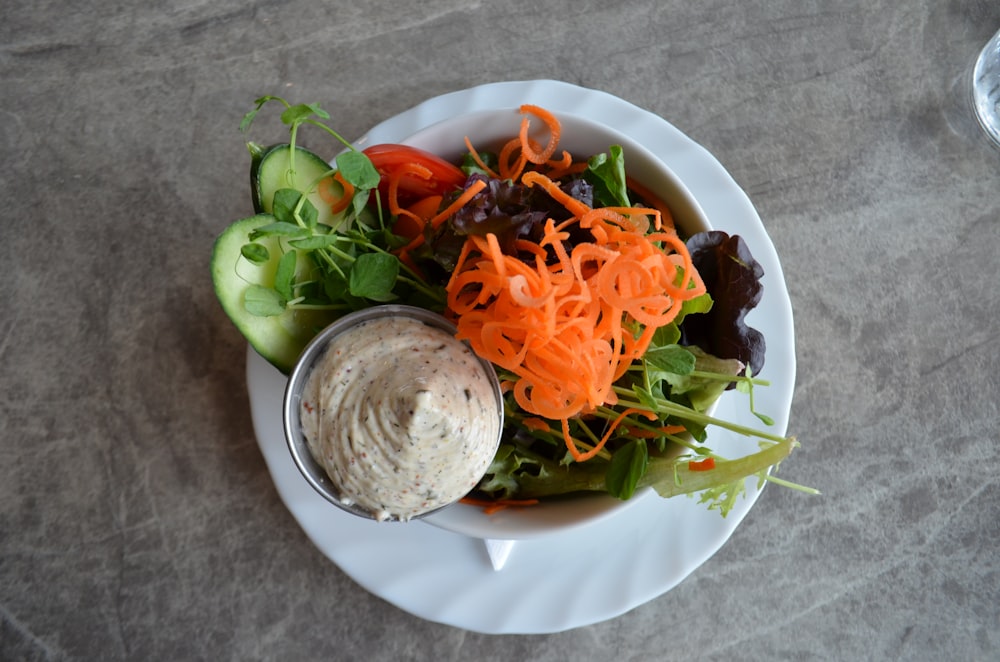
x=612, y=334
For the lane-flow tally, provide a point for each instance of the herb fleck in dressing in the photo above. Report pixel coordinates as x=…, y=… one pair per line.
x=401, y=415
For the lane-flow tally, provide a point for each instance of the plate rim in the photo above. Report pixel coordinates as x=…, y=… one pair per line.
x=356, y=547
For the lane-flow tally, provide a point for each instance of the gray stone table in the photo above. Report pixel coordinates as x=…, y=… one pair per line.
x=138, y=520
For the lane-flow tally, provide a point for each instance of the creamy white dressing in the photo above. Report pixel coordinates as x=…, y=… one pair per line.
x=401, y=415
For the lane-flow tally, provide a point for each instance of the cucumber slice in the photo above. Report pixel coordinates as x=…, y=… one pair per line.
x=279, y=338
x=269, y=171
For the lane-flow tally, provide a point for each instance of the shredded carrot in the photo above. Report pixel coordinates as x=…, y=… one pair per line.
x=478, y=160
x=565, y=329
x=492, y=507
x=565, y=162
x=412, y=223
x=536, y=424
x=655, y=201
x=558, y=172
x=426, y=208
x=444, y=214
x=468, y=194
x=408, y=223
x=702, y=465
x=338, y=201
x=407, y=259
x=573, y=205
x=508, y=169
x=584, y=456
x=394, y=179
x=530, y=152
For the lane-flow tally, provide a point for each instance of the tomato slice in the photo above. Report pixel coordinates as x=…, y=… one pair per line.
x=445, y=176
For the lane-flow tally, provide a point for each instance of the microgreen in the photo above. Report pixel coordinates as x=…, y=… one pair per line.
x=264, y=301
x=746, y=386
x=284, y=277
x=348, y=266
x=373, y=276
x=670, y=360
x=255, y=253
x=628, y=465
x=357, y=170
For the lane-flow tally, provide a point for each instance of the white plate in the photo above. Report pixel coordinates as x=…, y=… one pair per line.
x=549, y=584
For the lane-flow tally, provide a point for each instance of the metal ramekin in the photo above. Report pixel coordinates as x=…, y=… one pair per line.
x=311, y=470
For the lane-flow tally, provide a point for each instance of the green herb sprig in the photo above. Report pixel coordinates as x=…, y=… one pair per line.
x=344, y=266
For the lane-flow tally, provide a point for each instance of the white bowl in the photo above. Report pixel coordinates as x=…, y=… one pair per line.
x=582, y=138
